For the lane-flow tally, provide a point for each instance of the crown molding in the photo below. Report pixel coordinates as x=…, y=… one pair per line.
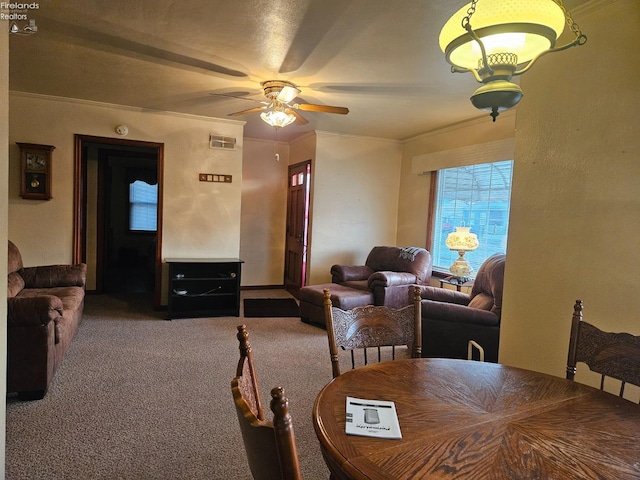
x=128, y=108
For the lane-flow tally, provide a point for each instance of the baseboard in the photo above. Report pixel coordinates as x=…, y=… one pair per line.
x=261, y=287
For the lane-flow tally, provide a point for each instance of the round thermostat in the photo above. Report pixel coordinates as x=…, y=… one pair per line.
x=122, y=130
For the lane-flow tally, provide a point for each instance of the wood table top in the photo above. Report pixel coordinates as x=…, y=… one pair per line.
x=467, y=419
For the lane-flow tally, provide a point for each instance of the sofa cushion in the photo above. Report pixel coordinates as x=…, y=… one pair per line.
x=71, y=297
x=15, y=283
x=357, y=284
x=55, y=276
x=482, y=301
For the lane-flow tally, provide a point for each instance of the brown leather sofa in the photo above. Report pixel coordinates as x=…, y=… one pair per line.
x=384, y=279
x=451, y=318
x=44, y=310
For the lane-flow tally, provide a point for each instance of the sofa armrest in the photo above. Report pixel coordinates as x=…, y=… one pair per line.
x=347, y=273
x=444, y=295
x=49, y=276
x=391, y=279
x=451, y=312
x=38, y=310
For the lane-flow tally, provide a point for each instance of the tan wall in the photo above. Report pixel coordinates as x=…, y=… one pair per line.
x=201, y=219
x=4, y=197
x=264, y=212
x=355, y=200
x=575, y=210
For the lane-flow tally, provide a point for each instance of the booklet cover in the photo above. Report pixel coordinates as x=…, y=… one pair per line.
x=372, y=418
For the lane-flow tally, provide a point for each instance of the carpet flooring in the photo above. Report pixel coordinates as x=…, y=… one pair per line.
x=139, y=397
x=270, y=307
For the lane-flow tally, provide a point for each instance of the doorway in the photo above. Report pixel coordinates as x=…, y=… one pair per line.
x=118, y=215
x=297, y=239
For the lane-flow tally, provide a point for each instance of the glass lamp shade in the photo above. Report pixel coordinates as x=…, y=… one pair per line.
x=525, y=28
x=278, y=118
x=462, y=240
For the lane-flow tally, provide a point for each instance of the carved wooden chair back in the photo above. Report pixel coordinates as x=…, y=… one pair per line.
x=372, y=326
x=614, y=355
x=270, y=446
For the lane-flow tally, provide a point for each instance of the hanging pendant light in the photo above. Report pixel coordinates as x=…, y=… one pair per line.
x=506, y=34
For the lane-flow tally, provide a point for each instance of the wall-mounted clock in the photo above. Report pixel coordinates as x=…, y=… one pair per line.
x=35, y=171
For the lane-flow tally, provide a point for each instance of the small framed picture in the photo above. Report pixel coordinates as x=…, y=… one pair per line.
x=35, y=171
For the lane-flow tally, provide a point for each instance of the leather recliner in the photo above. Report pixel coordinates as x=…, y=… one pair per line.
x=450, y=319
x=388, y=273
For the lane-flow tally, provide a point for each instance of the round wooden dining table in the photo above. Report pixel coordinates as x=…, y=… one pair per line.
x=476, y=420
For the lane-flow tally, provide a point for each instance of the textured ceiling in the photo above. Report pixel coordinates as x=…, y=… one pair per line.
x=379, y=58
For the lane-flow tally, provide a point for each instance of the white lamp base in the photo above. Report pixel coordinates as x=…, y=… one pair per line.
x=460, y=268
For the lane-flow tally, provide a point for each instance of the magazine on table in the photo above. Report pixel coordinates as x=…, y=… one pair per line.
x=372, y=418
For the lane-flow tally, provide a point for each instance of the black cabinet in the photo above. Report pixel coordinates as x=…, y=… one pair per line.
x=204, y=287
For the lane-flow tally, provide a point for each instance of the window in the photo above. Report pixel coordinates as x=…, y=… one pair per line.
x=476, y=196
x=143, y=206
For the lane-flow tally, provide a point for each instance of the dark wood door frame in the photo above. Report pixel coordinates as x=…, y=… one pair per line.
x=80, y=200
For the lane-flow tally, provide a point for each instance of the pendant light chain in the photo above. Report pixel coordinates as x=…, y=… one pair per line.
x=470, y=11
x=572, y=25
x=485, y=68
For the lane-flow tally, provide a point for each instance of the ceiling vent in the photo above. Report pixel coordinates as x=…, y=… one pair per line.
x=218, y=141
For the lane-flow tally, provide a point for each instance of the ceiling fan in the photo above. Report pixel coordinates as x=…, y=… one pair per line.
x=279, y=111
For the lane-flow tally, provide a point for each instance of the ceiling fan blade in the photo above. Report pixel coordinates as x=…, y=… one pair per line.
x=287, y=94
x=240, y=96
x=244, y=112
x=300, y=120
x=309, y=107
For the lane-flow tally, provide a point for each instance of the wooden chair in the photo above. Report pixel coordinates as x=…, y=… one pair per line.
x=615, y=355
x=372, y=327
x=270, y=446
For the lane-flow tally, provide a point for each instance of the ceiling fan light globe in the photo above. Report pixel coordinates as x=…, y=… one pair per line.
x=277, y=118
x=525, y=28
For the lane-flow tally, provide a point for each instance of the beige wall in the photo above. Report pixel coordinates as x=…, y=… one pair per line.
x=575, y=210
x=4, y=197
x=264, y=212
x=355, y=200
x=201, y=219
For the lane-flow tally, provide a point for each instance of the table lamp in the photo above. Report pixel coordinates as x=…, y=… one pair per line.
x=462, y=240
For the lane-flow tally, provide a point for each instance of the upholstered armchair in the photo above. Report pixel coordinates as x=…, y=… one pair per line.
x=388, y=273
x=450, y=319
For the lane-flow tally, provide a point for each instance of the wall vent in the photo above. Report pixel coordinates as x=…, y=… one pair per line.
x=218, y=141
